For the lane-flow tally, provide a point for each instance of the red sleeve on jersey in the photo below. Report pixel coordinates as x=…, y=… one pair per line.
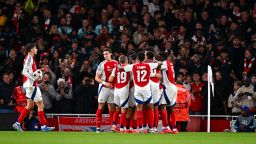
x=170, y=72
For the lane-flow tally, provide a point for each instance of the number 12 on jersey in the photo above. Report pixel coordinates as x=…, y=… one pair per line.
x=141, y=74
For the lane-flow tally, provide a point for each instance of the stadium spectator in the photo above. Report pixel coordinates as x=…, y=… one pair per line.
x=234, y=109
x=246, y=96
x=83, y=96
x=245, y=122
x=48, y=93
x=64, y=97
x=5, y=96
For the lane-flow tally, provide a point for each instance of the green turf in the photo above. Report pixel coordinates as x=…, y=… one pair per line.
x=113, y=138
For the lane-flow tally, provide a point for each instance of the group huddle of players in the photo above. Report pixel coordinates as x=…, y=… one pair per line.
x=139, y=87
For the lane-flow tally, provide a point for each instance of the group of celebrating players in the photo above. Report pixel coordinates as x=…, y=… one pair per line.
x=139, y=89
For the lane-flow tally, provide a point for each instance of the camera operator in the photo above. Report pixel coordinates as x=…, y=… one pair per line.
x=48, y=93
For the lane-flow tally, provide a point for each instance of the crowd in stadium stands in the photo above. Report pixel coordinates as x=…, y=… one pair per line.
x=71, y=34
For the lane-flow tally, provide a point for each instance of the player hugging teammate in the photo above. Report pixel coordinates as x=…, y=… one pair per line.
x=140, y=90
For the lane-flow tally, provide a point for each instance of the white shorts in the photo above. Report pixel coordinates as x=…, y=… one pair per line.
x=132, y=102
x=33, y=93
x=143, y=96
x=155, y=92
x=105, y=94
x=169, y=95
x=121, y=97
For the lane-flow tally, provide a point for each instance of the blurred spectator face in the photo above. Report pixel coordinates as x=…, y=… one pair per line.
x=68, y=17
x=196, y=77
x=188, y=79
x=236, y=86
x=254, y=79
x=146, y=17
x=63, y=22
x=218, y=76
x=155, y=2
x=233, y=26
x=236, y=42
x=12, y=54
x=67, y=72
x=6, y=78
x=46, y=77
x=166, y=4
x=86, y=81
x=107, y=55
x=104, y=30
x=54, y=29
x=223, y=4
x=144, y=10
x=104, y=13
x=47, y=13
x=74, y=46
x=205, y=15
x=224, y=55
x=140, y=28
x=126, y=5
x=85, y=23
x=184, y=71
x=205, y=77
x=247, y=54
x=56, y=54
x=124, y=38
x=110, y=9
x=199, y=26
x=180, y=79
x=116, y=14
x=35, y=19
x=244, y=16
x=18, y=7
x=188, y=15
x=223, y=20
x=183, y=51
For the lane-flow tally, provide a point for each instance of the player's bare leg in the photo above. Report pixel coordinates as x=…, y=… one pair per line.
x=24, y=113
x=99, y=116
x=41, y=117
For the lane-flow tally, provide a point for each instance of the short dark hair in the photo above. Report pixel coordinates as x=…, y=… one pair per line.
x=150, y=54
x=141, y=56
x=122, y=59
x=107, y=49
x=133, y=56
x=162, y=56
x=30, y=46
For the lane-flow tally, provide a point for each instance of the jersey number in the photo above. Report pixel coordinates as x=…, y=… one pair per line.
x=141, y=74
x=121, y=77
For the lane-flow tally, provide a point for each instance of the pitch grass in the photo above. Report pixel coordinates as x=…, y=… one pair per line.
x=113, y=138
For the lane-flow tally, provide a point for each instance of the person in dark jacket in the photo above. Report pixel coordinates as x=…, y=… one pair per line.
x=245, y=122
